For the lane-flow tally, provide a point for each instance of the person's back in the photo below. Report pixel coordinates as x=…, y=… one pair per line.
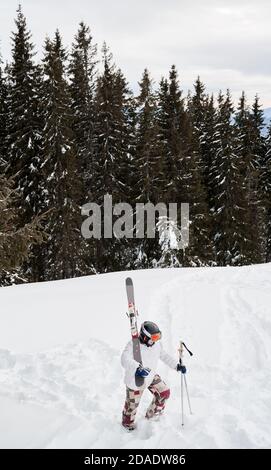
x=151, y=351
x=150, y=357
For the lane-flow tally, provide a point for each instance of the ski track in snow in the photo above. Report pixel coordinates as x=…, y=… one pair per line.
x=223, y=321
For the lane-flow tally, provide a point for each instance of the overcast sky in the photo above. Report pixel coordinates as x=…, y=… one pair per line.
x=226, y=42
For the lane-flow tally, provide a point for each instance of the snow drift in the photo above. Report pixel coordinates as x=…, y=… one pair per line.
x=61, y=383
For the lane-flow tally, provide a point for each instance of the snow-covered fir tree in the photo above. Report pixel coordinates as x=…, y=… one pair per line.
x=196, y=179
x=82, y=70
x=182, y=180
x=171, y=122
x=197, y=108
x=247, y=135
x=113, y=139
x=203, y=115
x=3, y=117
x=16, y=240
x=64, y=253
x=147, y=164
x=265, y=185
x=259, y=151
x=171, y=119
x=229, y=191
x=23, y=127
x=146, y=141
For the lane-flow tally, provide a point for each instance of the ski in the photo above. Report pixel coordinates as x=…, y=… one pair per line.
x=132, y=314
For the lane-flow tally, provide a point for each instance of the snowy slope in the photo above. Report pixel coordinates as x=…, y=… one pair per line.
x=60, y=374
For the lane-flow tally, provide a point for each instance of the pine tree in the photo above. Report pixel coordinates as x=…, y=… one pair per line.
x=265, y=187
x=15, y=240
x=200, y=251
x=167, y=121
x=82, y=71
x=64, y=251
x=246, y=151
x=146, y=141
x=182, y=170
x=111, y=130
x=197, y=107
x=229, y=197
x=3, y=118
x=267, y=193
x=23, y=129
x=209, y=150
x=171, y=124
x=124, y=135
x=146, y=168
x=113, y=137
x=202, y=114
x=259, y=151
x=172, y=121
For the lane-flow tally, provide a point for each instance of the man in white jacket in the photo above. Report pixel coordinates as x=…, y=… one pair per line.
x=151, y=351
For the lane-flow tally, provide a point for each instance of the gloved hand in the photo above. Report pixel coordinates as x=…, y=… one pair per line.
x=142, y=371
x=181, y=368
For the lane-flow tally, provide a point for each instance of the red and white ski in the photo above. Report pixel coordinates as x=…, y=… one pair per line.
x=132, y=314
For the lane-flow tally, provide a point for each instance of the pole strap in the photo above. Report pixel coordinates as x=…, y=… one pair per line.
x=191, y=354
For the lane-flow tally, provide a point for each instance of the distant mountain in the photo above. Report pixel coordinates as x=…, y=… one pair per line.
x=267, y=116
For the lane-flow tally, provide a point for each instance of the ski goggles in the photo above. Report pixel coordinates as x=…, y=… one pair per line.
x=155, y=337
x=152, y=337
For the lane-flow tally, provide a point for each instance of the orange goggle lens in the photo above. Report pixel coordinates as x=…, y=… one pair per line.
x=155, y=337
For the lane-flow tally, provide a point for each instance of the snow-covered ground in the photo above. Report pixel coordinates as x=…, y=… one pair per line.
x=61, y=381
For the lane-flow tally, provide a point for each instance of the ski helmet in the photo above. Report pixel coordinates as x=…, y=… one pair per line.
x=149, y=333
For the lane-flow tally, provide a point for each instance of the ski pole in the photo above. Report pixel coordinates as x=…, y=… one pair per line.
x=183, y=379
x=180, y=360
x=182, y=398
x=188, y=399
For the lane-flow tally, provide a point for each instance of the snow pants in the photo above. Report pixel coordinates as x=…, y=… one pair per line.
x=160, y=393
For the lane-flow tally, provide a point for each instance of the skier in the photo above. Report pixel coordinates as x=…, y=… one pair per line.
x=151, y=352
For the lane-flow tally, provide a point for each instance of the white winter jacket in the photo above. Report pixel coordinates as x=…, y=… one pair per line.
x=150, y=356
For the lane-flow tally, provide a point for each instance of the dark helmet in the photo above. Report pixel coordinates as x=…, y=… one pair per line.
x=149, y=333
